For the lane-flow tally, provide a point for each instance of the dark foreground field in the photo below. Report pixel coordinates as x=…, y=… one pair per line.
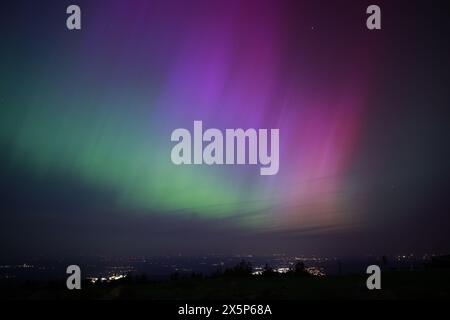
x=433, y=284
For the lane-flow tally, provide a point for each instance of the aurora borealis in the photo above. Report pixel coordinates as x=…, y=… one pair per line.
x=94, y=110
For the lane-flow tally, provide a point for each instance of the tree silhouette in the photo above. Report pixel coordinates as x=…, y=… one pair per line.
x=299, y=270
x=268, y=271
x=242, y=269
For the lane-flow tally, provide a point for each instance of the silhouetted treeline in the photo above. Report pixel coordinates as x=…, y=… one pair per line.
x=245, y=269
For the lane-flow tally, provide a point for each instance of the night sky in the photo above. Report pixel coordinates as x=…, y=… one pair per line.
x=86, y=118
